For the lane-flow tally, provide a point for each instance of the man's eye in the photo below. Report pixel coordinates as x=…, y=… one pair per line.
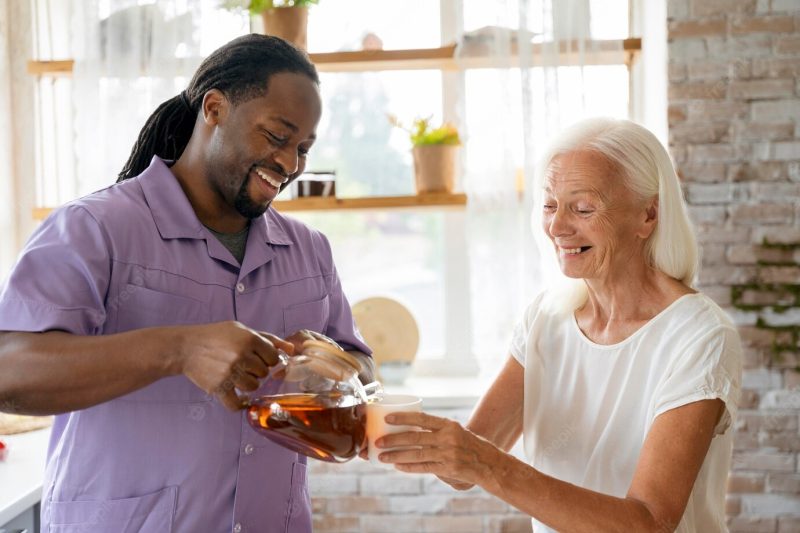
x=302, y=152
x=277, y=139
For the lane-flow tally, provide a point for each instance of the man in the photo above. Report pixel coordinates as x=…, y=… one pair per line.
x=140, y=314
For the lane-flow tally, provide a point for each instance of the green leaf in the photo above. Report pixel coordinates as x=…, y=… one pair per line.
x=421, y=132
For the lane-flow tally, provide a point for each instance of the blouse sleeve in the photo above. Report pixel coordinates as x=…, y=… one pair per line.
x=710, y=368
x=521, y=337
x=519, y=342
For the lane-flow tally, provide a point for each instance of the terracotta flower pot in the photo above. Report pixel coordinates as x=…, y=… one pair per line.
x=288, y=23
x=435, y=167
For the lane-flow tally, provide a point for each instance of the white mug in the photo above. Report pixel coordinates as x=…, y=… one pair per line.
x=377, y=426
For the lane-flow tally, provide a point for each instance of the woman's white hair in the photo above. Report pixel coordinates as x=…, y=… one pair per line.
x=647, y=171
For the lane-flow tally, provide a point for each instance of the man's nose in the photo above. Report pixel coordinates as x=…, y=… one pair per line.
x=287, y=159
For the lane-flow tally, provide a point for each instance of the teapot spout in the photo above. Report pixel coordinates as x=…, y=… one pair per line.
x=373, y=392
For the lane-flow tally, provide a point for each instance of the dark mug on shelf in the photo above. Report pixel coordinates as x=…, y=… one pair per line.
x=314, y=183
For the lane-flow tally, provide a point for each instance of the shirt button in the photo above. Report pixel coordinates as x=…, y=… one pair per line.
x=237, y=528
x=240, y=287
x=248, y=449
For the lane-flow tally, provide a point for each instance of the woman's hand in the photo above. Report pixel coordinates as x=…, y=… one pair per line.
x=444, y=448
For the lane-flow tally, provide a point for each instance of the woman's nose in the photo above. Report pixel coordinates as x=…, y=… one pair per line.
x=559, y=223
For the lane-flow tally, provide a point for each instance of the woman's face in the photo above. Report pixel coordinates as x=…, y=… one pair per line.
x=597, y=226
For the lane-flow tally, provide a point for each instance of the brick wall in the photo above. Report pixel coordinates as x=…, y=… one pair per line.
x=734, y=118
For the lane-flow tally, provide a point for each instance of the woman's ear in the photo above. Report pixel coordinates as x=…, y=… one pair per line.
x=650, y=220
x=215, y=107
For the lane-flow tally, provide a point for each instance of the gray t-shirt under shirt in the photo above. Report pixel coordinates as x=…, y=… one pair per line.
x=235, y=242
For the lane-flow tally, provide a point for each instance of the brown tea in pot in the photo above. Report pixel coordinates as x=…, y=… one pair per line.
x=316, y=404
x=329, y=426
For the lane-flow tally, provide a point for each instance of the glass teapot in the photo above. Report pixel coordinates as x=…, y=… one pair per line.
x=317, y=406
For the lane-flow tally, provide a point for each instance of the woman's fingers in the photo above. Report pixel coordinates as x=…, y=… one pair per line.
x=419, y=468
x=407, y=438
x=411, y=455
x=423, y=420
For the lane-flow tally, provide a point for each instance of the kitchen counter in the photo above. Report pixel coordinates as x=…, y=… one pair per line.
x=443, y=393
x=21, y=476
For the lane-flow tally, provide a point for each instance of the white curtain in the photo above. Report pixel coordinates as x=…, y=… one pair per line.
x=130, y=56
x=17, y=147
x=514, y=101
x=7, y=211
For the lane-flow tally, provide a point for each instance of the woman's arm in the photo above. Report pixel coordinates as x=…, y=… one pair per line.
x=671, y=457
x=498, y=415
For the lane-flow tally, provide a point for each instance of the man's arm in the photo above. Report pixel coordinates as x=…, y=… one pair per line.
x=57, y=372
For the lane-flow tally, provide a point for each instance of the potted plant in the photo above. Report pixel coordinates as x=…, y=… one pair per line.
x=287, y=19
x=434, y=151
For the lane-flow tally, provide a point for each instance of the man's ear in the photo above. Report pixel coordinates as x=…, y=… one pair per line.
x=215, y=107
x=650, y=220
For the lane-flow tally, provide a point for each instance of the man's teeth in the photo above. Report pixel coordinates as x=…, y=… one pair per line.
x=266, y=177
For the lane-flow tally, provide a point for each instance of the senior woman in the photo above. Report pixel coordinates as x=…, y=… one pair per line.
x=625, y=386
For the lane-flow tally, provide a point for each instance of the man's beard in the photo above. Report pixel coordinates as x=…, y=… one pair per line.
x=245, y=205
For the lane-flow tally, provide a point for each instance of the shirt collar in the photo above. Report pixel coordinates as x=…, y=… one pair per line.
x=175, y=218
x=270, y=228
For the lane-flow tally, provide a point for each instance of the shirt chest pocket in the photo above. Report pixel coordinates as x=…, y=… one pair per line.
x=309, y=315
x=141, y=307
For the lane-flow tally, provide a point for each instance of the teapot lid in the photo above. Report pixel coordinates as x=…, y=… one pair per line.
x=315, y=347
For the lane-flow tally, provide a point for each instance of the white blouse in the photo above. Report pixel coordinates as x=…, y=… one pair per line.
x=589, y=407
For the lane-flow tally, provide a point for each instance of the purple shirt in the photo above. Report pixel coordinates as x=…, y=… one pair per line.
x=168, y=457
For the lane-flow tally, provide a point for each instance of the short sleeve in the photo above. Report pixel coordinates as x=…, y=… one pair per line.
x=341, y=326
x=60, y=279
x=711, y=368
x=520, y=338
x=519, y=342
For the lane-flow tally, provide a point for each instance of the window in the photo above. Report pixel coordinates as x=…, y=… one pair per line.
x=420, y=257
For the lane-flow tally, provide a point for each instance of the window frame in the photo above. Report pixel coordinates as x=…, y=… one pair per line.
x=459, y=358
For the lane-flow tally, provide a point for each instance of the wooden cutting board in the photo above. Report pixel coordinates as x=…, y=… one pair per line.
x=13, y=424
x=388, y=327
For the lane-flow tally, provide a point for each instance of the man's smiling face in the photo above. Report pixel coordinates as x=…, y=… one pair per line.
x=261, y=144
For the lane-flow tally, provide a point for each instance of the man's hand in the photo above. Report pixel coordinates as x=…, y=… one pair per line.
x=366, y=370
x=299, y=337
x=225, y=356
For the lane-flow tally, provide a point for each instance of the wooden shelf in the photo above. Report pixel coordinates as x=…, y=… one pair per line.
x=454, y=200
x=439, y=200
x=375, y=60
x=605, y=52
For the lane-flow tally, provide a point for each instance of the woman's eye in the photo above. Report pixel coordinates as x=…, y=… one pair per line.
x=549, y=207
